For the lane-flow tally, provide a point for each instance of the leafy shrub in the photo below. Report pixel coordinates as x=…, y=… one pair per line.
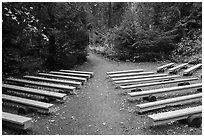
x=134, y=43
x=189, y=47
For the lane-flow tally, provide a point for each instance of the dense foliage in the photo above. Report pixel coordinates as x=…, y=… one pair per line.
x=153, y=31
x=39, y=36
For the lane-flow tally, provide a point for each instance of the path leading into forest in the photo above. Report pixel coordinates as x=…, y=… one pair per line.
x=99, y=108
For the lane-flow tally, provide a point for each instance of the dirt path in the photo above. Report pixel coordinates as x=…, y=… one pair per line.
x=99, y=108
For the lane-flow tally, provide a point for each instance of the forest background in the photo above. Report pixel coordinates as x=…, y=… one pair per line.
x=50, y=36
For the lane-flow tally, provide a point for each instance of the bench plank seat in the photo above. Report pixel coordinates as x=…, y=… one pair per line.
x=164, y=90
x=78, y=72
x=130, y=74
x=124, y=71
x=180, y=114
x=63, y=77
x=157, y=83
x=32, y=91
x=37, y=105
x=139, y=77
x=162, y=68
x=168, y=102
x=73, y=83
x=122, y=82
x=48, y=85
x=16, y=121
x=70, y=74
x=189, y=71
x=176, y=68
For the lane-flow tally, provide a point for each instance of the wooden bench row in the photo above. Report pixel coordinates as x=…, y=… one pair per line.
x=130, y=74
x=124, y=71
x=189, y=72
x=123, y=82
x=139, y=77
x=64, y=77
x=164, y=90
x=174, y=70
x=16, y=121
x=136, y=86
x=78, y=72
x=23, y=123
x=44, y=93
x=64, y=88
x=70, y=74
x=149, y=106
x=162, y=68
x=126, y=80
x=58, y=81
x=24, y=103
x=192, y=114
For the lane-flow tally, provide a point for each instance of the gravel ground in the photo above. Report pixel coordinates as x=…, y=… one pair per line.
x=98, y=108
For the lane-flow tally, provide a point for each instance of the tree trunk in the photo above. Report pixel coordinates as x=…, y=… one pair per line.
x=109, y=15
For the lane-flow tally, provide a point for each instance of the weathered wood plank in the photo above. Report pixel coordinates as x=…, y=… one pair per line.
x=157, y=83
x=175, y=69
x=63, y=77
x=73, y=83
x=180, y=114
x=162, y=68
x=130, y=74
x=189, y=71
x=32, y=91
x=78, y=72
x=37, y=105
x=164, y=90
x=139, y=77
x=70, y=74
x=16, y=121
x=168, y=102
x=124, y=71
x=122, y=82
x=65, y=88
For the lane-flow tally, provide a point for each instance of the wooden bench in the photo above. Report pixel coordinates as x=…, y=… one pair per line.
x=65, y=88
x=130, y=74
x=124, y=71
x=44, y=93
x=28, y=103
x=70, y=74
x=192, y=114
x=168, y=102
x=66, y=82
x=123, y=82
x=16, y=121
x=174, y=70
x=162, y=68
x=189, y=72
x=78, y=72
x=63, y=77
x=157, y=83
x=139, y=77
x=164, y=90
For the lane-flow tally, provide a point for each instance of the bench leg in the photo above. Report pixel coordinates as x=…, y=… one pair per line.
x=183, y=83
x=47, y=100
x=22, y=111
x=160, y=71
x=135, y=90
x=150, y=98
x=199, y=89
x=194, y=121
